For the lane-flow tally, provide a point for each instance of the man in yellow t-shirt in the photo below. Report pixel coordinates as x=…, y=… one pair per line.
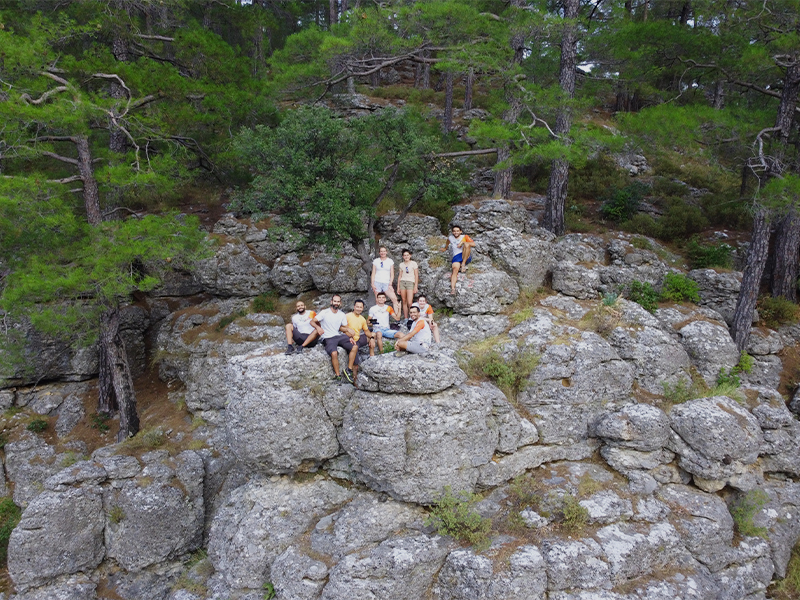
x=363, y=335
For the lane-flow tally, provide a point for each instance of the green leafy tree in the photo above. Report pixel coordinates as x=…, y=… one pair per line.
x=327, y=176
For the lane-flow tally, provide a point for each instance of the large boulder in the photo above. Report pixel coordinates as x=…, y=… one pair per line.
x=29, y=462
x=60, y=533
x=412, y=374
x=575, y=564
x=575, y=280
x=637, y=426
x=781, y=430
x=400, y=568
x=482, y=290
x=278, y=429
x=233, y=271
x=657, y=357
x=487, y=215
x=710, y=347
x=718, y=291
x=260, y=520
x=413, y=446
x=716, y=438
x=158, y=515
x=526, y=258
x=576, y=380
x=290, y=275
x=581, y=248
x=469, y=576
x=634, y=551
x=337, y=273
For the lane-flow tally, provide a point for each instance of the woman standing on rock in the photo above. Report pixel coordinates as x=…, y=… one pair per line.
x=461, y=250
x=382, y=277
x=407, y=281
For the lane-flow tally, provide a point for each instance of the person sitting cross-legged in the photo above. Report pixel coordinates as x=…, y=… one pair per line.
x=418, y=340
x=300, y=334
x=380, y=314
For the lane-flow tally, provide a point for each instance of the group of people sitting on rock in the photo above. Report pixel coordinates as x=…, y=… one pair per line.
x=351, y=331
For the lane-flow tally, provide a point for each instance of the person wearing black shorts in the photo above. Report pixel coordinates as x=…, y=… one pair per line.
x=300, y=334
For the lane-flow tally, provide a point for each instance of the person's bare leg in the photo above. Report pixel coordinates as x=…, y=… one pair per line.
x=465, y=257
x=351, y=361
x=335, y=362
x=393, y=297
x=289, y=330
x=379, y=340
x=401, y=345
x=454, y=277
x=372, y=346
x=435, y=332
x=311, y=337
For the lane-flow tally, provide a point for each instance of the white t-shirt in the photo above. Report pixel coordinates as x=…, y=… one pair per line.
x=331, y=322
x=303, y=322
x=421, y=331
x=383, y=274
x=382, y=314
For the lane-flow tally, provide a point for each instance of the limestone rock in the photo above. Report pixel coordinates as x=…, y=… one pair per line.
x=369, y=519
x=656, y=356
x=718, y=291
x=158, y=516
x=607, y=507
x=413, y=446
x=526, y=258
x=488, y=215
x=580, y=248
x=717, y=437
x=338, y=273
x=636, y=426
x=573, y=384
x=710, y=347
x=233, y=271
x=400, y=568
x=482, y=290
x=260, y=520
x=298, y=576
x=575, y=280
x=575, y=564
x=290, y=275
x=278, y=429
x=635, y=551
x=411, y=374
x=29, y=462
x=59, y=534
x=763, y=342
x=75, y=587
x=460, y=329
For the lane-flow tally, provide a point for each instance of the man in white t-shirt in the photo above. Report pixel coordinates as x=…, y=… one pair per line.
x=331, y=325
x=379, y=315
x=418, y=340
x=383, y=276
x=300, y=334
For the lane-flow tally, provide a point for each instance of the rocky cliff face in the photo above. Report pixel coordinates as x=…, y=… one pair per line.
x=599, y=478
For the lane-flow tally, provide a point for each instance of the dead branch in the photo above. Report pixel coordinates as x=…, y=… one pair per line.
x=66, y=179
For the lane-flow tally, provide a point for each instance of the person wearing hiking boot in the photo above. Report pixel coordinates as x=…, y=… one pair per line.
x=379, y=316
x=418, y=340
x=331, y=325
x=461, y=250
x=358, y=323
x=300, y=334
x=426, y=312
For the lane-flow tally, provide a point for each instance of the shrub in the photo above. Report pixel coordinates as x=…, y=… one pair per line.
x=745, y=508
x=455, y=515
x=622, y=203
x=100, y=422
x=703, y=256
x=643, y=294
x=610, y=298
x=575, y=516
x=269, y=590
x=602, y=319
x=777, y=311
x=680, y=221
x=642, y=224
x=116, y=514
x=265, y=303
x=146, y=439
x=678, y=287
x=9, y=517
x=788, y=588
x=679, y=392
x=37, y=425
x=730, y=377
x=511, y=376
x=227, y=320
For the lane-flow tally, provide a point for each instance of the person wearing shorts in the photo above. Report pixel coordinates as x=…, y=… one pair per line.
x=461, y=251
x=331, y=325
x=380, y=313
x=407, y=281
x=359, y=324
x=426, y=312
x=418, y=340
x=300, y=334
x=382, y=277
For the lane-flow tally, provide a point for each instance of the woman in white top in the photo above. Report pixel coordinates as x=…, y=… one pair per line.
x=382, y=277
x=407, y=281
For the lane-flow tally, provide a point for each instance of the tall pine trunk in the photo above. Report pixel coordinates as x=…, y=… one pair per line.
x=787, y=257
x=559, y=173
x=751, y=279
x=469, y=82
x=503, y=177
x=447, y=124
x=117, y=378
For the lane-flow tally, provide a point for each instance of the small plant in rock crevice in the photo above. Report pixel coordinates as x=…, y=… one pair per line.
x=644, y=294
x=10, y=514
x=679, y=288
x=37, y=425
x=575, y=516
x=745, y=508
x=454, y=514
